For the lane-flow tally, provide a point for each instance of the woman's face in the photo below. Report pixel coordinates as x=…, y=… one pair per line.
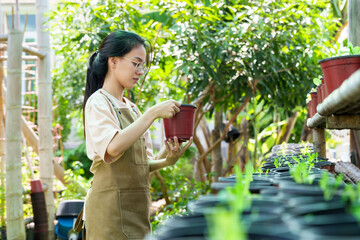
x=127, y=70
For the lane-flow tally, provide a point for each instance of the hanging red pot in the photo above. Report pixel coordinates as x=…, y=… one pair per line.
x=319, y=95
x=311, y=109
x=337, y=69
x=314, y=99
x=182, y=124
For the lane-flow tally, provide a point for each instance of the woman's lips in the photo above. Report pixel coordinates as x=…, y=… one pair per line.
x=136, y=80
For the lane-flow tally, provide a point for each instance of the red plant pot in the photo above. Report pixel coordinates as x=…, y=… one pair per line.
x=36, y=186
x=314, y=99
x=337, y=69
x=324, y=91
x=182, y=124
x=319, y=96
x=311, y=108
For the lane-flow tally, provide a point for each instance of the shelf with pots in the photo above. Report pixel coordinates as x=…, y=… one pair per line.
x=336, y=104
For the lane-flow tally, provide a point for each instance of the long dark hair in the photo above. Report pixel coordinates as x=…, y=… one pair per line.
x=116, y=44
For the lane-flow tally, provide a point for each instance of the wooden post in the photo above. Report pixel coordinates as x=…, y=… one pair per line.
x=2, y=136
x=14, y=190
x=354, y=38
x=354, y=18
x=45, y=112
x=319, y=141
x=217, y=163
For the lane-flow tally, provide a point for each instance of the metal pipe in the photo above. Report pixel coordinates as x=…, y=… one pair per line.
x=348, y=92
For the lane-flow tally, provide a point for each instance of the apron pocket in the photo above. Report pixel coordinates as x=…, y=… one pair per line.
x=134, y=210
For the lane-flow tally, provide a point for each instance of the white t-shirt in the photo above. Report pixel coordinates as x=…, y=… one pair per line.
x=101, y=125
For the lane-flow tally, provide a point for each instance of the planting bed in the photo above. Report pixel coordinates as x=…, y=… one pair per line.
x=293, y=198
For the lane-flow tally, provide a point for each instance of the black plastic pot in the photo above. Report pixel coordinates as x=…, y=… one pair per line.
x=276, y=231
x=218, y=186
x=315, y=209
x=291, y=189
x=340, y=232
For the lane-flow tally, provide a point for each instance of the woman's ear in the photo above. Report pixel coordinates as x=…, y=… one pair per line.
x=112, y=62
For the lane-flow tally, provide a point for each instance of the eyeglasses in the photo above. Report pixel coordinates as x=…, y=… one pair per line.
x=139, y=67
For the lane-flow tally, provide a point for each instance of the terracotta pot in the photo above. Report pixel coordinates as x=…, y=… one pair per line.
x=36, y=186
x=314, y=98
x=182, y=124
x=337, y=69
x=312, y=107
x=324, y=91
x=319, y=96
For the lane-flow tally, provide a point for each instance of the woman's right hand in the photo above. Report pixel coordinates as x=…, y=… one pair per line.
x=166, y=109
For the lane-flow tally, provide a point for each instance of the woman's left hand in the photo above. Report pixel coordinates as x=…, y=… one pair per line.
x=174, y=150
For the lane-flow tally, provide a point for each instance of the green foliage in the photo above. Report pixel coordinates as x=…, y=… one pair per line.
x=181, y=187
x=74, y=157
x=317, y=80
x=78, y=185
x=186, y=190
x=275, y=43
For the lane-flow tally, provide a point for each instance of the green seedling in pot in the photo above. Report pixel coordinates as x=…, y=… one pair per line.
x=346, y=49
x=277, y=162
x=351, y=195
x=226, y=223
x=301, y=171
x=329, y=187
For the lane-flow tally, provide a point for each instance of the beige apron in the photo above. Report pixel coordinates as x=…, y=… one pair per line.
x=117, y=205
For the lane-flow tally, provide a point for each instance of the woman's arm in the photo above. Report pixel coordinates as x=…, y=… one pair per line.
x=174, y=152
x=127, y=137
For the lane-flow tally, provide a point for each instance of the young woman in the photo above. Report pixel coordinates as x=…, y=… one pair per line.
x=118, y=141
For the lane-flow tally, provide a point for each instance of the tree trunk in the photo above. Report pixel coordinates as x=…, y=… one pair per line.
x=216, y=157
x=306, y=133
x=205, y=131
x=45, y=112
x=244, y=151
x=284, y=137
x=14, y=202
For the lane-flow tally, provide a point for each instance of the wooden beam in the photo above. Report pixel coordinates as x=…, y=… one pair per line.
x=24, y=58
x=3, y=37
x=319, y=141
x=343, y=122
x=33, y=51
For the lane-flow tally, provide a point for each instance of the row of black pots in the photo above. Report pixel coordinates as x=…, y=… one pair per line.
x=261, y=221
x=285, y=160
x=278, y=203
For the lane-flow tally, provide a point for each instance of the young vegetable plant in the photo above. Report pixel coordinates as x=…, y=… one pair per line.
x=347, y=49
x=226, y=223
x=301, y=171
x=329, y=186
x=351, y=194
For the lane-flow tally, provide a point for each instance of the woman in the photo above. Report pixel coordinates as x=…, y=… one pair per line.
x=118, y=141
